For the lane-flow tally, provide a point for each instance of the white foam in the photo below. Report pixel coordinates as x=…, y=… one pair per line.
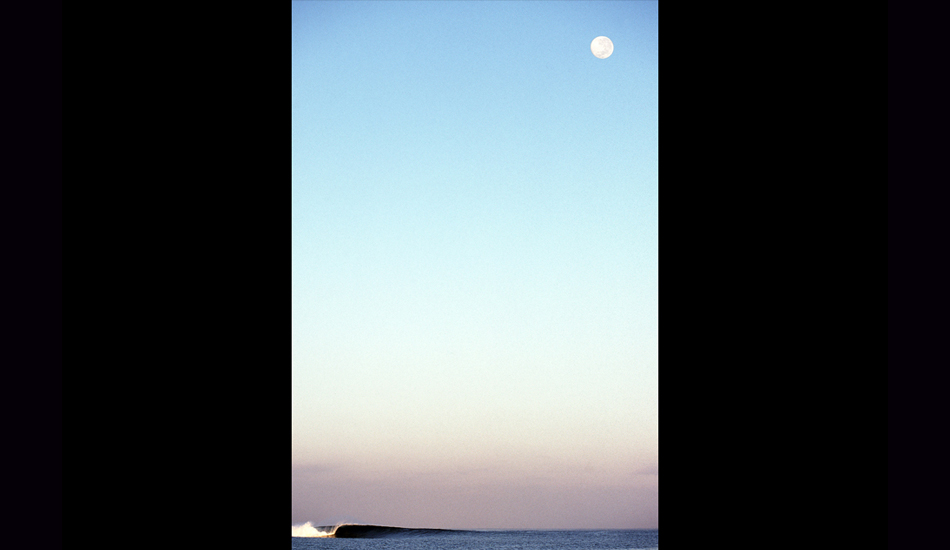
x=308, y=530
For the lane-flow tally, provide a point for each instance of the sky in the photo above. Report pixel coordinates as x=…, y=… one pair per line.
x=474, y=264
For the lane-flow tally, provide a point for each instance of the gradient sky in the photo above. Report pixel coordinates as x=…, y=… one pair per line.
x=475, y=257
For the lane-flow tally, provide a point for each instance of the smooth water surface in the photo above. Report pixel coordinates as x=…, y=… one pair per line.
x=496, y=540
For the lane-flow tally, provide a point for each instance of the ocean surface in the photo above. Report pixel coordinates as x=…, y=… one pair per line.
x=430, y=539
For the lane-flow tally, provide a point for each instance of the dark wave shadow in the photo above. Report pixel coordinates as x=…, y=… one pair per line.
x=354, y=531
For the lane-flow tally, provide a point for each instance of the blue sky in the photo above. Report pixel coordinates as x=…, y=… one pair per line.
x=474, y=264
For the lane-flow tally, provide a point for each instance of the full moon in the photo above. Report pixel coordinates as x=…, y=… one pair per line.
x=602, y=47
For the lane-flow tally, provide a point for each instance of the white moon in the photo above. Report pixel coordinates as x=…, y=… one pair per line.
x=602, y=47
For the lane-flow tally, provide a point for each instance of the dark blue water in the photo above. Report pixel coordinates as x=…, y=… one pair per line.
x=495, y=540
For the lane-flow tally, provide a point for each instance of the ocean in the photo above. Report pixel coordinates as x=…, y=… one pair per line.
x=374, y=537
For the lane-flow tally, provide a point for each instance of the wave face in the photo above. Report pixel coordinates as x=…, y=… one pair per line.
x=353, y=531
x=359, y=531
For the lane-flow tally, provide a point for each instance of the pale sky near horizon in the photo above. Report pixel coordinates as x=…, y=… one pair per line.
x=474, y=264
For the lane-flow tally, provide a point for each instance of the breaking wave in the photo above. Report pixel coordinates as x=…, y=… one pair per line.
x=309, y=531
x=359, y=531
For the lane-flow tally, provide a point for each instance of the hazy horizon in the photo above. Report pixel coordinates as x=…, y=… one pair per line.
x=474, y=264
